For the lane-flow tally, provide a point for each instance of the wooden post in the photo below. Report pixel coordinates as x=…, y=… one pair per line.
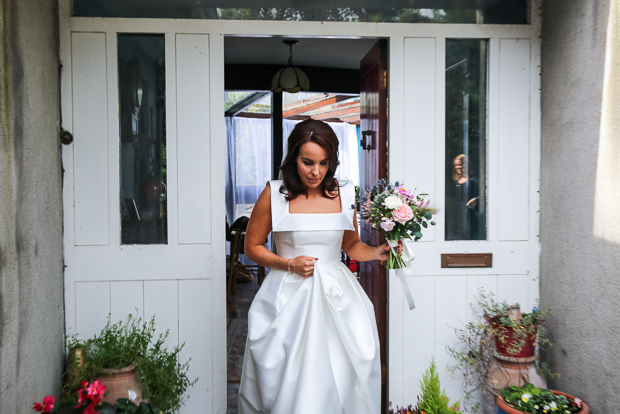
x=277, y=150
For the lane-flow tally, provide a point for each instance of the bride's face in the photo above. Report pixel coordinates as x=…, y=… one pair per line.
x=312, y=164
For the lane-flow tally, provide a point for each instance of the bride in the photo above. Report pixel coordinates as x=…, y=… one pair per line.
x=312, y=345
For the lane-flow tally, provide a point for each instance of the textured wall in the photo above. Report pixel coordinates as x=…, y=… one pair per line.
x=31, y=277
x=580, y=278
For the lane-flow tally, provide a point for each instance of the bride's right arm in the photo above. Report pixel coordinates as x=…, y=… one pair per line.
x=256, y=234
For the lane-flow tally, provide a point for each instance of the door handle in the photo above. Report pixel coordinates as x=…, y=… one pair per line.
x=366, y=141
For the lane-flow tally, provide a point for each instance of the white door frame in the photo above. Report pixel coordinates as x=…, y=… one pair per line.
x=398, y=164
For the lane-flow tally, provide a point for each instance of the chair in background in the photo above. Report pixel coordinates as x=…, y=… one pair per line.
x=237, y=249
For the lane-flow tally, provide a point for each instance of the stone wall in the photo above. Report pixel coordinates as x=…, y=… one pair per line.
x=31, y=265
x=580, y=234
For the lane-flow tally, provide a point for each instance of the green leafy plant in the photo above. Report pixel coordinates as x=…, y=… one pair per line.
x=532, y=400
x=122, y=344
x=433, y=400
x=489, y=327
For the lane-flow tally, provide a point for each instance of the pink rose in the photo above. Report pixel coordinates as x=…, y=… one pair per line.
x=402, y=214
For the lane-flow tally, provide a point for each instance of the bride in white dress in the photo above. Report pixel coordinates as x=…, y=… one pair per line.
x=312, y=344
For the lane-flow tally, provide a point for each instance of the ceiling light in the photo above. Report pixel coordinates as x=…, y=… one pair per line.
x=290, y=78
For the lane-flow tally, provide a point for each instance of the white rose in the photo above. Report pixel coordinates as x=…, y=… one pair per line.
x=392, y=202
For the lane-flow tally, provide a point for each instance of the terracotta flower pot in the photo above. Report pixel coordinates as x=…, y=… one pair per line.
x=119, y=382
x=505, y=371
x=503, y=408
x=508, y=334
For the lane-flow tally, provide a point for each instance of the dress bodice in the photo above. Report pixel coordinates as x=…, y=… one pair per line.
x=316, y=235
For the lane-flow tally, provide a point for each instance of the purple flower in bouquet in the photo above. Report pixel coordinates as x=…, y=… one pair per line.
x=402, y=191
x=388, y=225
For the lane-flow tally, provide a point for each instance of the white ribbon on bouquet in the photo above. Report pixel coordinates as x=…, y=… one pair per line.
x=408, y=257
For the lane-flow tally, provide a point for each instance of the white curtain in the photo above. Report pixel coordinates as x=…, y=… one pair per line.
x=349, y=168
x=248, y=163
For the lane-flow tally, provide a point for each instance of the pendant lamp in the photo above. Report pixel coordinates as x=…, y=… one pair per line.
x=290, y=79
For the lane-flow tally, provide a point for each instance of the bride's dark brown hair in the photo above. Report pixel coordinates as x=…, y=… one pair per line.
x=322, y=134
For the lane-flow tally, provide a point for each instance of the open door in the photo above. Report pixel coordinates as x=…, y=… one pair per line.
x=373, y=167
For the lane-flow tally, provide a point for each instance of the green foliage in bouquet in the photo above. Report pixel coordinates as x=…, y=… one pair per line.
x=532, y=400
x=375, y=210
x=399, y=213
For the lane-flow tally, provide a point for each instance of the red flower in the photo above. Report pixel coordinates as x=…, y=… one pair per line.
x=93, y=394
x=95, y=391
x=90, y=410
x=46, y=407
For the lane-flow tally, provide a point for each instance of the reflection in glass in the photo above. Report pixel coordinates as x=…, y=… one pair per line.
x=142, y=91
x=465, y=160
x=390, y=11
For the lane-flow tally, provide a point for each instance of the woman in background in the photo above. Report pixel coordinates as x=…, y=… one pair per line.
x=462, y=202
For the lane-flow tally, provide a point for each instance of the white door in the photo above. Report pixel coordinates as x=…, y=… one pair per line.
x=144, y=213
x=503, y=151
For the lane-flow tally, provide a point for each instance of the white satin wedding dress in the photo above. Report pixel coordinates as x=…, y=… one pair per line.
x=312, y=346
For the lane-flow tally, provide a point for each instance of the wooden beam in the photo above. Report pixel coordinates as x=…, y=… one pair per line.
x=352, y=119
x=331, y=108
x=245, y=103
x=315, y=104
x=253, y=115
x=336, y=114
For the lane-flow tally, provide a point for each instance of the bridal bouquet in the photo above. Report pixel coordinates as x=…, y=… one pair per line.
x=400, y=213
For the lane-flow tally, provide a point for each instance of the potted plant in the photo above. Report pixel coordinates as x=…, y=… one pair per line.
x=433, y=400
x=132, y=362
x=498, y=348
x=516, y=399
x=515, y=334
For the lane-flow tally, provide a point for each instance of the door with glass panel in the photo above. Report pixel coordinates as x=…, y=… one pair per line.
x=470, y=122
x=144, y=227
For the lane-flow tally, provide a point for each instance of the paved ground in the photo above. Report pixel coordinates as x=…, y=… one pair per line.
x=237, y=308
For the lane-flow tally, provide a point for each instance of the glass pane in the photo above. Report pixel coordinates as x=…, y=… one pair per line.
x=142, y=91
x=392, y=11
x=466, y=100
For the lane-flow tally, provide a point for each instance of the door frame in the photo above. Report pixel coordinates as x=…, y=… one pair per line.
x=395, y=33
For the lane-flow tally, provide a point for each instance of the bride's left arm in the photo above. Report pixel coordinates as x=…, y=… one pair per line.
x=355, y=249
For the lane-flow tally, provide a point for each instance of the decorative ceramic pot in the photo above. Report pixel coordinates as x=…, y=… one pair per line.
x=76, y=361
x=119, y=382
x=503, y=408
x=505, y=371
x=508, y=337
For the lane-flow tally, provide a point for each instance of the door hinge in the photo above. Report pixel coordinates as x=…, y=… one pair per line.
x=384, y=79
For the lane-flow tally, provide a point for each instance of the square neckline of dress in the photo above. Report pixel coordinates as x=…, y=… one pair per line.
x=288, y=207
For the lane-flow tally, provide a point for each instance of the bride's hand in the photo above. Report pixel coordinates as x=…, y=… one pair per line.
x=382, y=252
x=303, y=266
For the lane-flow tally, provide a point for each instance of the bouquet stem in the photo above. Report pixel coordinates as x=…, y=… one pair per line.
x=395, y=261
